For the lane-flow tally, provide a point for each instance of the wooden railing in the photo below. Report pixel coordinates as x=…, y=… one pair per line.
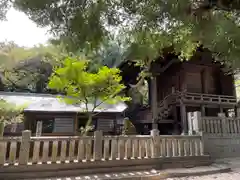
x=221, y=125
x=26, y=149
x=210, y=98
x=167, y=102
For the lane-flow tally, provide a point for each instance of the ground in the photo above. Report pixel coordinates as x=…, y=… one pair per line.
x=234, y=175
x=234, y=163
x=223, y=176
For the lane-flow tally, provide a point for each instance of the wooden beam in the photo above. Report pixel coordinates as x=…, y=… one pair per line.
x=221, y=109
x=183, y=117
x=203, y=108
x=154, y=103
x=76, y=124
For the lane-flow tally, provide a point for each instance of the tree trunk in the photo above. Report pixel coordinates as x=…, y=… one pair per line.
x=88, y=124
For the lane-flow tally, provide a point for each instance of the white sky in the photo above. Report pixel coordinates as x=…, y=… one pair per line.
x=21, y=30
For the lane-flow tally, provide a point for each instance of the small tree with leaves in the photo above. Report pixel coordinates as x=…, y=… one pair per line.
x=9, y=113
x=83, y=88
x=128, y=127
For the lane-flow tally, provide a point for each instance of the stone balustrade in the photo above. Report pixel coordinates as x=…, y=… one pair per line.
x=82, y=149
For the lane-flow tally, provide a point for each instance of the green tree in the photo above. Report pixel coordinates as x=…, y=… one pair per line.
x=28, y=69
x=109, y=54
x=146, y=27
x=9, y=113
x=91, y=90
x=128, y=127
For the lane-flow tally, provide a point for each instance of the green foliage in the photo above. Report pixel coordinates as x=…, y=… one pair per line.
x=85, y=88
x=10, y=113
x=109, y=54
x=128, y=127
x=28, y=69
x=145, y=27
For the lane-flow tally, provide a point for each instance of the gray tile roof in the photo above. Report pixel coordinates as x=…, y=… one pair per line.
x=48, y=102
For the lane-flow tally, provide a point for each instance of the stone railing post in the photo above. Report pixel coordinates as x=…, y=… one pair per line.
x=39, y=129
x=202, y=143
x=223, y=123
x=155, y=137
x=25, y=147
x=197, y=122
x=98, y=145
x=3, y=149
x=190, y=123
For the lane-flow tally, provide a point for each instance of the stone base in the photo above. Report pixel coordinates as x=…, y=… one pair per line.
x=98, y=167
x=156, y=175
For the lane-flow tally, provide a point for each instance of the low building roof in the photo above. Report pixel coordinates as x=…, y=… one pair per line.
x=51, y=103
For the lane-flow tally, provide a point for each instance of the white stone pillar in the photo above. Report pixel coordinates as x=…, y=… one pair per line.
x=155, y=136
x=190, y=123
x=39, y=129
x=25, y=147
x=197, y=122
x=224, y=124
x=98, y=145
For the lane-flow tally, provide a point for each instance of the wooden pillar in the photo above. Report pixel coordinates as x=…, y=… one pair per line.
x=183, y=117
x=236, y=111
x=203, y=110
x=154, y=103
x=149, y=91
x=221, y=109
x=76, y=124
x=175, y=115
x=27, y=122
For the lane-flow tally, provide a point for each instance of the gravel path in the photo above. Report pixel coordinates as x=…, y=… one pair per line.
x=223, y=176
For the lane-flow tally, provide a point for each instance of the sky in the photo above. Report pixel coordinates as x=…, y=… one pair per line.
x=21, y=30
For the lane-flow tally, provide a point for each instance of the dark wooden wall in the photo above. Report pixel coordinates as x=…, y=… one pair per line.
x=32, y=117
x=169, y=79
x=195, y=77
x=207, y=79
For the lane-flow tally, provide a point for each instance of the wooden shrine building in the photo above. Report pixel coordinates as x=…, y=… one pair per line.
x=178, y=87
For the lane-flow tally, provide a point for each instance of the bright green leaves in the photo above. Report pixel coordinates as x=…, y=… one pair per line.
x=83, y=87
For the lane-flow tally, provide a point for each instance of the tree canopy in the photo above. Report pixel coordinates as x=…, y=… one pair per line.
x=27, y=69
x=10, y=113
x=85, y=88
x=146, y=26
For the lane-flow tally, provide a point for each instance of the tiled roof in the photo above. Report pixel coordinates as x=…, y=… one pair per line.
x=48, y=102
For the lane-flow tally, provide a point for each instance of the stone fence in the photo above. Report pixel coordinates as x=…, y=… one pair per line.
x=221, y=135
x=213, y=125
x=26, y=149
